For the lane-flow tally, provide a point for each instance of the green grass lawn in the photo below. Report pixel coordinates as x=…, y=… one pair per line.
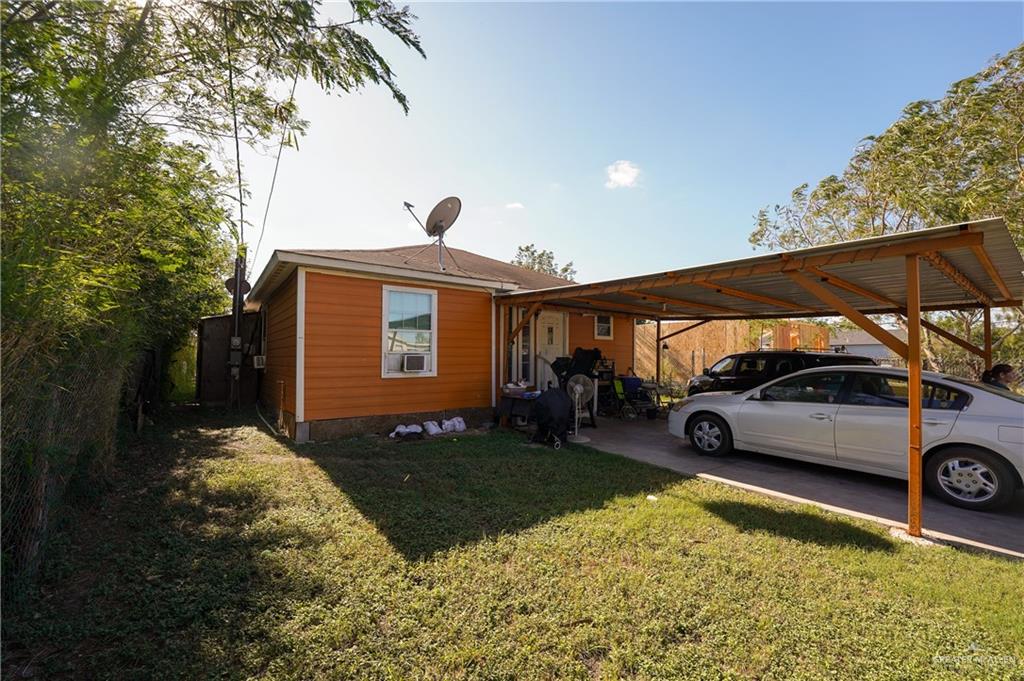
x=223, y=552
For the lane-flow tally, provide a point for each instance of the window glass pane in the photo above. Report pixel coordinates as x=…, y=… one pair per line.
x=603, y=326
x=878, y=390
x=409, y=310
x=785, y=365
x=752, y=366
x=724, y=367
x=524, y=351
x=409, y=341
x=816, y=388
x=942, y=397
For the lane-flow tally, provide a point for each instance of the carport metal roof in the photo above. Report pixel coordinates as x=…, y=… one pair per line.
x=971, y=265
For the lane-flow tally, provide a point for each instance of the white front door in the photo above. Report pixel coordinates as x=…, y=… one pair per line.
x=550, y=344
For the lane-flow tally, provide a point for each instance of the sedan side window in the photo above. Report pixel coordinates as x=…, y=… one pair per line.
x=879, y=390
x=942, y=397
x=813, y=388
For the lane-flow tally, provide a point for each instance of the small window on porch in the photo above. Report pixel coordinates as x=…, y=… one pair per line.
x=603, y=327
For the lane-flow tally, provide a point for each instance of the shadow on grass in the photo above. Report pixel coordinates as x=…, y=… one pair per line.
x=796, y=524
x=430, y=496
x=174, y=574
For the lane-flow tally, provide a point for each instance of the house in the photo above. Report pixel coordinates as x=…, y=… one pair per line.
x=857, y=342
x=359, y=340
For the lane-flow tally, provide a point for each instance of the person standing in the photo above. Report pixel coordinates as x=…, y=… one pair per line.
x=999, y=376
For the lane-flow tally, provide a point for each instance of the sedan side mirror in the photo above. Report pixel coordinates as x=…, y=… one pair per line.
x=707, y=371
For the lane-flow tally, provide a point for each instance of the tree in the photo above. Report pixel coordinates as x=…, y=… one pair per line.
x=117, y=229
x=543, y=261
x=943, y=161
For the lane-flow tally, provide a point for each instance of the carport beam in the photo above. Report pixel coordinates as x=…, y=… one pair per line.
x=914, y=396
x=683, y=330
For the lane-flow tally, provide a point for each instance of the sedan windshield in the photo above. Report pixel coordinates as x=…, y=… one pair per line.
x=987, y=388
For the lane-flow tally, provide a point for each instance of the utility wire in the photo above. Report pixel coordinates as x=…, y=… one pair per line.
x=273, y=180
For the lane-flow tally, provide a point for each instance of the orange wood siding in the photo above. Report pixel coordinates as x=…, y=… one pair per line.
x=280, y=347
x=620, y=348
x=343, y=351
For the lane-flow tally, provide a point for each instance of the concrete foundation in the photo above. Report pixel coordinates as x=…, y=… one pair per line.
x=362, y=425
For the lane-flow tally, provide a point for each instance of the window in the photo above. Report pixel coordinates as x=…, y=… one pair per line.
x=410, y=328
x=786, y=365
x=879, y=390
x=752, y=366
x=603, y=327
x=942, y=397
x=724, y=367
x=524, y=351
x=814, y=388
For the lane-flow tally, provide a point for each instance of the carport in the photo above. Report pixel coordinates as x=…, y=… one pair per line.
x=955, y=267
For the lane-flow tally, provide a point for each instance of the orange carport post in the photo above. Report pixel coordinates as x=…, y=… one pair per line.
x=914, y=396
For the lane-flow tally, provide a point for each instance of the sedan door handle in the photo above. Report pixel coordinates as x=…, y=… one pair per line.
x=821, y=417
x=932, y=422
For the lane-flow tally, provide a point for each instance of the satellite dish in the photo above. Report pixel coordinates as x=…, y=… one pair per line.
x=229, y=284
x=439, y=221
x=443, y=216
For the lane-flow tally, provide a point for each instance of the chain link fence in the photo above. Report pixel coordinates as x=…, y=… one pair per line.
x=59, y=428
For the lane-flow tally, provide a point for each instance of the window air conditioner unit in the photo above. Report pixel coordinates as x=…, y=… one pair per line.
x=414, y=363
x=259, y=361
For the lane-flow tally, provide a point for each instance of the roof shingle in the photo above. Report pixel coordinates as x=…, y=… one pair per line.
x=457, y=262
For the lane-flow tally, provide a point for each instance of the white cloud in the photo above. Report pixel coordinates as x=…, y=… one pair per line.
x=622, y=174
x=515, y=205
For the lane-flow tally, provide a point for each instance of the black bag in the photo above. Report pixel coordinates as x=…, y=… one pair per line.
x=552, y=411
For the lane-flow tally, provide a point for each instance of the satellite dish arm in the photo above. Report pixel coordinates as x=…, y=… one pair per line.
x=449, y=252
x=408, y=207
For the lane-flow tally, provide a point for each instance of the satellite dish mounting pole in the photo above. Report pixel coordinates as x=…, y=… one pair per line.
x=440, y=220
x=440, y=250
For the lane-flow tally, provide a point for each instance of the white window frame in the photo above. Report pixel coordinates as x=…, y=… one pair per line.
x=611, y=327
x=385, y=300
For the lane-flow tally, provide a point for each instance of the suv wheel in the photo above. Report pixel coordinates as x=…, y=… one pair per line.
x=709, y=434
x=970, y=478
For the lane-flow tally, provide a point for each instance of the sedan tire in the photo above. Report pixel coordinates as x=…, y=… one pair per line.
x=709, y=434
x=970, y=478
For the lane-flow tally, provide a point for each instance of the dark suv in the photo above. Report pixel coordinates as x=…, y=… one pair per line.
x=747, y=370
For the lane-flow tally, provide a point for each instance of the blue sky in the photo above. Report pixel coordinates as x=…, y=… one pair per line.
x=520, y=109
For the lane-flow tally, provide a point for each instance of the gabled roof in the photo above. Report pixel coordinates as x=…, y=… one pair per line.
x=457, y=262
x=405, y=262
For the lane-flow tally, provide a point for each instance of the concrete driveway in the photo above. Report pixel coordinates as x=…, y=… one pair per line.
x=861, y=495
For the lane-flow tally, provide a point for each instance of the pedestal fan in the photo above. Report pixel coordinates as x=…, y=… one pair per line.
x=581, y=389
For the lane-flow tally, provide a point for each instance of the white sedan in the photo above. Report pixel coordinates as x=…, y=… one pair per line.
x=855, y=417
